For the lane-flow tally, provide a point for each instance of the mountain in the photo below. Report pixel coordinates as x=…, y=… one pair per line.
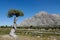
x=42, y=18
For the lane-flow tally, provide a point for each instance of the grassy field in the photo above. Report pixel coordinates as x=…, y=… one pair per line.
x=23, y=37
x=30, y=34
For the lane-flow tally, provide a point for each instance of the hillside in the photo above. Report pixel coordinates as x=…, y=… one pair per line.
x=42, y=18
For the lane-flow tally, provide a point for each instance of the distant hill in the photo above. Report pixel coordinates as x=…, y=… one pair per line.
x=42, y=18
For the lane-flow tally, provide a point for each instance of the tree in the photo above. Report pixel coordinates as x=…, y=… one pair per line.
x=16, y=14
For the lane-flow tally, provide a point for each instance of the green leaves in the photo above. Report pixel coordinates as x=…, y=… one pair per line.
x=14, y=12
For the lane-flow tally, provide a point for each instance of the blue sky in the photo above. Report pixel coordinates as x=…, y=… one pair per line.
x=29, y=7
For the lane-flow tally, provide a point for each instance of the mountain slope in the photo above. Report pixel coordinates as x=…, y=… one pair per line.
x=42, y=18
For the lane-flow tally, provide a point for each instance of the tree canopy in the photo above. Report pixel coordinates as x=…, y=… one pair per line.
x=14, y=12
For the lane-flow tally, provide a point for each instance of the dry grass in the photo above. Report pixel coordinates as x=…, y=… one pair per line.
x=21, y=37
x=7, y=37
x=29, y=36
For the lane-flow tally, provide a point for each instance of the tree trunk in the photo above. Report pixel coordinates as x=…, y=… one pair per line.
x=12, y=32
x=15, y=25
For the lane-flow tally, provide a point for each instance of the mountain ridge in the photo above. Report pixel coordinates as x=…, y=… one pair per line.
x=42, y=18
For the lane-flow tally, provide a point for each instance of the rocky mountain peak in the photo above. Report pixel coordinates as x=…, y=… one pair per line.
x=41, y=13
x=42, y=18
